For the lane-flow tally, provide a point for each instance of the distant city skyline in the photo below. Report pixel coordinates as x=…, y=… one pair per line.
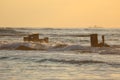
x=60, y=13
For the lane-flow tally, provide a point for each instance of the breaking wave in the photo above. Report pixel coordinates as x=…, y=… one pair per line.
x=39, y=46
x=58, y=47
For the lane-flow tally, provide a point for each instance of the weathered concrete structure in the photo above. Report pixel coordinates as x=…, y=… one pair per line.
x=35, y=38
x=94, y=41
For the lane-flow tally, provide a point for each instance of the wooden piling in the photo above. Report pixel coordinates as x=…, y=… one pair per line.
x=94, y=40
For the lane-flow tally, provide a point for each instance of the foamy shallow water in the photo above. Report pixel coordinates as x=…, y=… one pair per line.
x=63, y=65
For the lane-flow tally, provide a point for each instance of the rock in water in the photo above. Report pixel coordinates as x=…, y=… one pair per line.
x=21, y=47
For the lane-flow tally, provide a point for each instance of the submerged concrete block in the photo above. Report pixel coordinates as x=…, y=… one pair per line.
x=35, y=38
x=94, y=40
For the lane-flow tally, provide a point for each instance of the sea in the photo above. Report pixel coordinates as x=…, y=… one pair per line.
x=67, y=56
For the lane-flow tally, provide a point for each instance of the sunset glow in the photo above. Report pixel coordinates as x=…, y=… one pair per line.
x=59, y=13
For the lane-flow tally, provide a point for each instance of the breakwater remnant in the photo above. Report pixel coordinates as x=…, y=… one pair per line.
x=94, y=41
x=35, y=38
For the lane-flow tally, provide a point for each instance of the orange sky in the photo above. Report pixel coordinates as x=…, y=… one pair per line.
x=59, y=13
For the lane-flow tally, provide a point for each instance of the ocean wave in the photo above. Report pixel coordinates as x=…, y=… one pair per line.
x=54, y=46
x=11, y=32
x=71, y=61
x=79, y=62
x=112, y=52
x=58, y=47
x=33, y=45
x=1, y=58
x=62, y=61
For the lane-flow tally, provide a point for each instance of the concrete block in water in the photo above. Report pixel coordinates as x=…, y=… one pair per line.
x=94, y=40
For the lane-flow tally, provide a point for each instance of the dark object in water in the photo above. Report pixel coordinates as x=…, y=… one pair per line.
x=24, y=48
x=35, y=38
x=94, y=41
x=103, y=45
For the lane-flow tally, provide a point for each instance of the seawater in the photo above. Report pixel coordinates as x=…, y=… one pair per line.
x=112, y=36
x=67, y=65
x=61, y=64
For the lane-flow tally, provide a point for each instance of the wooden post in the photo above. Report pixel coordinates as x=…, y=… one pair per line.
x=94, y=40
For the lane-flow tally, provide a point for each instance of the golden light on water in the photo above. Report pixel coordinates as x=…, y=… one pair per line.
x=59, y=13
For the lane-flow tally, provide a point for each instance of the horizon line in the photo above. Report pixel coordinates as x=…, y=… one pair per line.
x=58, y=27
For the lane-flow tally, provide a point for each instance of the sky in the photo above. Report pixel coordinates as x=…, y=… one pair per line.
x=60, y=13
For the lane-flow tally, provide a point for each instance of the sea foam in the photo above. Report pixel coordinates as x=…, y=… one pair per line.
x=57, y=47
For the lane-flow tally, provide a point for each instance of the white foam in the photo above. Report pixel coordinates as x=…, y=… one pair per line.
x=59, y=47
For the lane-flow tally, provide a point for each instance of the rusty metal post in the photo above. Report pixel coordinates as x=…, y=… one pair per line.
x=94, y=40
